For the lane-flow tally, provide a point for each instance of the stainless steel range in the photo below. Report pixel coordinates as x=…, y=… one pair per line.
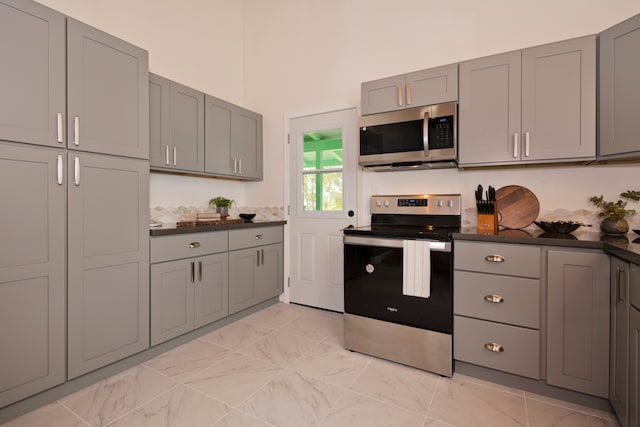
x=398, y=286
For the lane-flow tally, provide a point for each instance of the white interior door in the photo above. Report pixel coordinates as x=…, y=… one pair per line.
x=322, y=184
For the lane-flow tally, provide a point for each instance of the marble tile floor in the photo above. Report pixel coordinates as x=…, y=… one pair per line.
x=285, y=366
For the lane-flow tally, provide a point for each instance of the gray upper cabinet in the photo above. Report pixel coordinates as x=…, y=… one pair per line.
x=531, y=106
x=107, y=93
x=425, y=87
x=176, y=126
x=619, y=365
x=32, y=270
x=33, y=103
x=578, y=321
x=233, y=140
x=619, y=87
x=108, y=260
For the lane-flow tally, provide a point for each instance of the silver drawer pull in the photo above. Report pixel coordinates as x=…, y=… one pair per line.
x=495, y=347
x=194, y=244
x=496, y=299
x=259, y=236
x=494, y=258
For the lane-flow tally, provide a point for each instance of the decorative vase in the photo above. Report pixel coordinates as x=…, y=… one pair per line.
x=614, y=225
x=224, y=210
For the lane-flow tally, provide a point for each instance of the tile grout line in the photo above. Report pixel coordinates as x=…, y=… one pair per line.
x=59, y=402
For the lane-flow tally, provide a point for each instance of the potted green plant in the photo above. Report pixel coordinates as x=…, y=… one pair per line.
x=614, y=213
x=222, y=205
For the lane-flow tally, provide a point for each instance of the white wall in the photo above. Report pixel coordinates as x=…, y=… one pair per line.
x=304, y=55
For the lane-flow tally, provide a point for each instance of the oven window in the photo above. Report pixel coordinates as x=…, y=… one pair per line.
x=322, y=170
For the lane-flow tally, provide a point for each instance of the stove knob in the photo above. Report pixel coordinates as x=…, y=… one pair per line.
x=386, y=203
x=378, y=203
x=439, y=203
x=450, y=203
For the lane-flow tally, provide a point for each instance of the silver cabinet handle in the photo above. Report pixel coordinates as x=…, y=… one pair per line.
x=235, y=165
x=399, y=96
x=240, y=165
x=76, y=171
x=76, y=130
x=262, y=253
x=193, y=271
x=60, y=124
x=515, y=145
x=620, y=295
x=526, y=144
x=60, y=170
x=494, y=258
x=194, y=245
x=258, y=258
x=408, y=93
x=175, y=155
x=495, y=347
x=199, y=271
x=259, y=237
x=166, y=154
x=496, y=299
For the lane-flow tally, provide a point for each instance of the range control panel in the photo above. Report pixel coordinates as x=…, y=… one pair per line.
x=419, y=204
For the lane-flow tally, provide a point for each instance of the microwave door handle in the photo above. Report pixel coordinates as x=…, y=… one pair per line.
x=425, y=133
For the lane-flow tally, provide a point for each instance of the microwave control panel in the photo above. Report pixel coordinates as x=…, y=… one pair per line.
x=441, y=132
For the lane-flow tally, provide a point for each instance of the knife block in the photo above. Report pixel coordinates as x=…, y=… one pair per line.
x=488, y=223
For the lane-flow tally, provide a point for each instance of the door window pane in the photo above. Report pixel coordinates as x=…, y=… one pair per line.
x=322, y=170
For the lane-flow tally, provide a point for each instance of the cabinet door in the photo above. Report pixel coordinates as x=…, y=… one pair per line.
x=32, y=76
x=618, y=89
x=32, y=269
x=243, y=265
x=172, y=299
x=432, y=86
x=246, y=143
x=578, y=321
x=383, y=95
x=107, y=93
x=211, y=288
x=634, y=367
x=490, y=110
x=619, y=366
x=218, y=115
x=159, y=118
x=269, y=280
x=559, y=101
x=108, y=265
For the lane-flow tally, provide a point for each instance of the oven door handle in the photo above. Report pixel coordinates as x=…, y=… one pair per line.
x=392, y=243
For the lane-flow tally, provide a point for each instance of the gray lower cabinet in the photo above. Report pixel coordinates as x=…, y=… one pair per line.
x=107, y=93
x=255, y=266
x=32, y=105
x=108, y=260
x=619, y=83
x=233, y=140
x=176, y=126
x=634, y=364
x=424, y=87
x=189, y=282
x=32, y=270
x=496, y=304
x=531, y=106
x=578, y=321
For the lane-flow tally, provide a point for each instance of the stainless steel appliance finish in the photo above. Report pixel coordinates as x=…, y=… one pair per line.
x=416, y=138
x=379, y=319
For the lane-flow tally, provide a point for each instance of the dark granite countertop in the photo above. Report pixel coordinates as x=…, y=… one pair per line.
x=625, y=246
x=171, y=228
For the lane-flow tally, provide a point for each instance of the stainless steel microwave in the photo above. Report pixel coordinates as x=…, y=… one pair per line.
x=416, y=138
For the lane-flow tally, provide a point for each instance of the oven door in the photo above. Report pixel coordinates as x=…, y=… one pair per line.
x=373, y=271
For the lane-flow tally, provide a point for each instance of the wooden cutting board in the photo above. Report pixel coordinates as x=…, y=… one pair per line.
x=518, y=207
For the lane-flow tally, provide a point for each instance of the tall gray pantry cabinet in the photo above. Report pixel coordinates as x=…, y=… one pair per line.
x=98, y=202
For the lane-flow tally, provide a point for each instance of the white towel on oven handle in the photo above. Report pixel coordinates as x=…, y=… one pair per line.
x=416, y=268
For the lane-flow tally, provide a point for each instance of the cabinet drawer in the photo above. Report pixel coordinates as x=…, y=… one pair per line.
x=240, y=239
x=521, y=347
x=504, y=299
x=498, y=258
x=167, y=248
